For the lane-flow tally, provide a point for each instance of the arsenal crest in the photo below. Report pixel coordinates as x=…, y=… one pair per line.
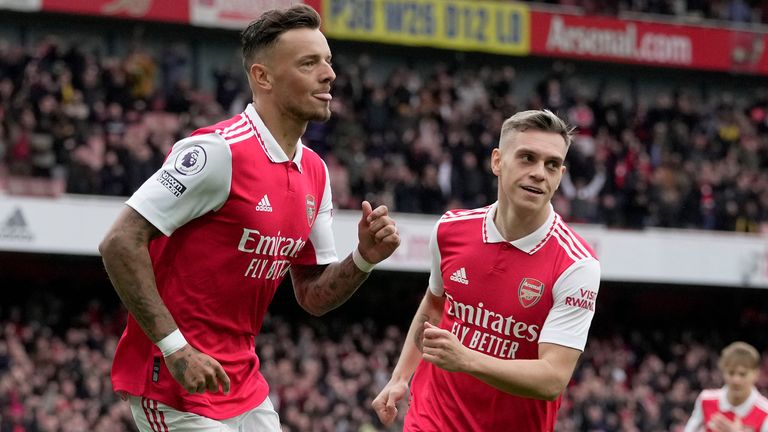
x=311, y=209
x=530, y=291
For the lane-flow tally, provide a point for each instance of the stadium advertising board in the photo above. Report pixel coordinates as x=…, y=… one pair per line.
x=654, y=44
x=497, y=27
x=63, y=225
x=151, y=10
x=235, y=14
x=21, y=5
x=76, y=224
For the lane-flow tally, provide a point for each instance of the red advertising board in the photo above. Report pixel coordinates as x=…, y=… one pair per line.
x=151, y=10
x=209, y=13
x=654, y=44
x=316, y=5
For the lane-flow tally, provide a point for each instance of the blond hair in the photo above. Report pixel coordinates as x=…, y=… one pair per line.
x=739, y=354
x=541, y=120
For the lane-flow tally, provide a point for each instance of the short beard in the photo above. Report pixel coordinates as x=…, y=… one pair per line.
x=310, y=116
x=320, y=117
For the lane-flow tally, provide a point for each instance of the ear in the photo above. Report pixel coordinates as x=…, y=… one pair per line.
x=260, y=76
x=496, y=162
x=563, y=169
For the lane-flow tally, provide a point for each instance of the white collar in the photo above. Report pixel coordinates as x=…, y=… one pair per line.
x=741, y=410
x=528, y=244
x=273, y=150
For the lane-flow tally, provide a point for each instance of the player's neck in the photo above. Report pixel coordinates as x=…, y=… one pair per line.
x=285, y=129
x=514, y=224
x=736, y=399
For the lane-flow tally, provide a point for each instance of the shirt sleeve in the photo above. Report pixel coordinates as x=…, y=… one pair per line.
x=195, y=179
x=575, y=294
x=321, y=234
x=435, y=273
x=696, y=422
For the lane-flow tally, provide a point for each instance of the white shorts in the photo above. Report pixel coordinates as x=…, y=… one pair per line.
x=153, y=416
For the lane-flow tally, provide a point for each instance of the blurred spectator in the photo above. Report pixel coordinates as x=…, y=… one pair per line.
x=736, y=11
x=59, y=380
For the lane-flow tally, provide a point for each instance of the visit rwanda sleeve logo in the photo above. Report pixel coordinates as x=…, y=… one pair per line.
x=530, y=291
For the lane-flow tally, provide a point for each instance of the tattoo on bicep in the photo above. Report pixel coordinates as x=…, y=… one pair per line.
x=142, y=229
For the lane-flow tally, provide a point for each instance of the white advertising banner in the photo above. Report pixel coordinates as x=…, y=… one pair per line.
x=232, y=14
x=64, y=225
x=413, y=253
x=22, y=5
x=75, y=225
x=680, y=256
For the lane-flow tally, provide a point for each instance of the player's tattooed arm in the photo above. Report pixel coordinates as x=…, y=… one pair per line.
x=126, y=259
x=320, y=289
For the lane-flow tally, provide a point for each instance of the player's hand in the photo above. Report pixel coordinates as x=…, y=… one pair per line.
x=720, y=423
x=377, y=234
x=385, y=404
x=443, y=349
x=197, y=372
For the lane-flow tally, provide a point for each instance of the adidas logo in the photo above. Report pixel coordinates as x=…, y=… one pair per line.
x=264, y=205
x=15, y=227
x=460, y=276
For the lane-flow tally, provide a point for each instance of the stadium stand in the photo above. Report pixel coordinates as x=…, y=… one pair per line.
x=734, y=11
x=55, y=354
x=418, y=140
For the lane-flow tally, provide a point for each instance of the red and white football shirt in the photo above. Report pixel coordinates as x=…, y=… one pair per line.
x=753, y=412
x=502, y=299
x=236, y=213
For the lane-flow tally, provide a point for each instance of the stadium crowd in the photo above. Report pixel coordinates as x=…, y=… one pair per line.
x=418, y=140
x=54, y=374
x=735, y=11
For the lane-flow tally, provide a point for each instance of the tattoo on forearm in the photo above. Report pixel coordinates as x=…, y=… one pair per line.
x=131, y=274
x=142, y=313
x=327, y=287
x=145, y=307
